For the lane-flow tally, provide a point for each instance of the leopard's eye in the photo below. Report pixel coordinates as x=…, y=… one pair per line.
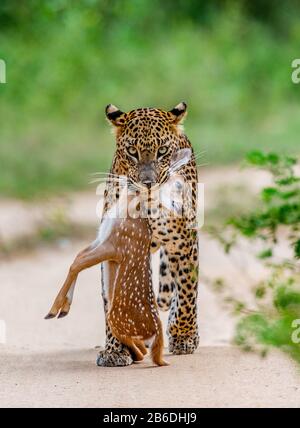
x=162, y=150
x=132, y=151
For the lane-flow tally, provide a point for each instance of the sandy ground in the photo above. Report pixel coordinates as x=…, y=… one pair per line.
x=213, y=377
x=52, y=363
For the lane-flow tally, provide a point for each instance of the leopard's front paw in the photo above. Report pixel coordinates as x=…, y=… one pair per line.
x=114, y=358
x=183, y=344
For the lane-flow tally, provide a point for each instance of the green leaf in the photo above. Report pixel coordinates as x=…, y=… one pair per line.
x=265, y=254
x=273, y=158
x=260, y=292
x=268, y=193
x=297, y=249
x=256, y=158
x=287, y=181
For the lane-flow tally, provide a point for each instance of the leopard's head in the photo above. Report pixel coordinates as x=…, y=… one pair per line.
x=147, y=141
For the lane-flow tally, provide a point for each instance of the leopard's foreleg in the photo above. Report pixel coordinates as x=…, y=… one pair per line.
x=166, y=282
x=115, y=353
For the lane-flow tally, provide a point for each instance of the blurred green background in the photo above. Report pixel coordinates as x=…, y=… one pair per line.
x=229, y=60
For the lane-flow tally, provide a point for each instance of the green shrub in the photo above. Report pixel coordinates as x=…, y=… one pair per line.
x=277, y=298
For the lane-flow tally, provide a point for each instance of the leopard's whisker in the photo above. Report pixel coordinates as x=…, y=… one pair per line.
x=106, y=180
x=199, y=154
x=104, y=173
x=199, y=165
x=105, y=176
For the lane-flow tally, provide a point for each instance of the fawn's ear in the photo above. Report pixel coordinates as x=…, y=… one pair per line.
x=180, y=158
x=178, y=113
x=114, y=115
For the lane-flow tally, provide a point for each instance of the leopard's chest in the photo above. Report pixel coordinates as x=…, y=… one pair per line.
x=171, y=233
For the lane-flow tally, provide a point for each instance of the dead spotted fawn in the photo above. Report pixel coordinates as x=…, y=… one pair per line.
x=126, y=240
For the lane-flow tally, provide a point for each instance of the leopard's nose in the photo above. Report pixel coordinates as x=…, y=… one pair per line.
x=147, y=176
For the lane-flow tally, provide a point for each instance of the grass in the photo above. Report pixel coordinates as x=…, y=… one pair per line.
x=234, y=75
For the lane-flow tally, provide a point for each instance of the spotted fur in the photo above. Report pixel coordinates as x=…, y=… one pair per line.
x=146, y=140
x=132, y=310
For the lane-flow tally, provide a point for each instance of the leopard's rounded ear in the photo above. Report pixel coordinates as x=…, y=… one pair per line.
x=178, y=113
x=114, y=115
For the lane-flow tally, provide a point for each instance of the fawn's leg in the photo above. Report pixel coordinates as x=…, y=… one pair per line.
x=140, y=344
x=65, y=308
x=130, y=343
x=158, y=346
x=88, y=257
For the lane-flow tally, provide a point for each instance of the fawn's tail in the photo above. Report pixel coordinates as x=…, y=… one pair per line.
x=158, y=346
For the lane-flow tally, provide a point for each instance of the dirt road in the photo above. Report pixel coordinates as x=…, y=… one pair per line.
x=52, y=363
x=213, y=377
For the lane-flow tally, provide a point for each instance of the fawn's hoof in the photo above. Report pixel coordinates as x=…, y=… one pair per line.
x=62, y=314
x=183, y=345
x=49, y=316
x=114, y=359
x=161, y=363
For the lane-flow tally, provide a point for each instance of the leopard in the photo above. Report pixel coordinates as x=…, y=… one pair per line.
x=146, y=141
